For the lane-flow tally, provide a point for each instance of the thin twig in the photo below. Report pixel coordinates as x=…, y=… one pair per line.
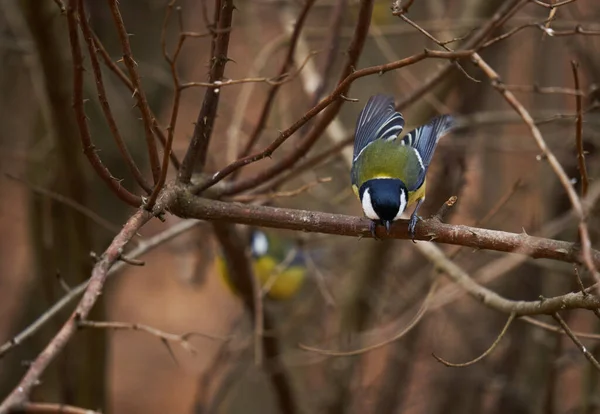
x=547, y=153
x=174, y=108
x=281, y=194
x=511, y=318
x=69, y=202
x=114, y=68
x=579, y=133
x=52, y=408
x=144, y=247
x=284, y=135
x=285, y=67
x=578, y=30
x=182, y=339
x=84, y=133
x=576, y=341
x=416, y=319
x=553, y=5
x=557, y=329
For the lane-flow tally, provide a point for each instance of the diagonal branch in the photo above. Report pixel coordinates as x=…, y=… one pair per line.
x=575, y=300
x=112, y=66
x=86, y=140
x=326, y=102
x=112, y=124
x=21, y=392
x=144, y=247
x=138, y=92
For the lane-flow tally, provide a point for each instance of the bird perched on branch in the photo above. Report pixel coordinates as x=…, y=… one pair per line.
x=388, y=173
x=277, y=264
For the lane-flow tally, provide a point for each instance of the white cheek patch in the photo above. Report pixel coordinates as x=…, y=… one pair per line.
x=402, y=205
x=260, y=244
x=368, y=207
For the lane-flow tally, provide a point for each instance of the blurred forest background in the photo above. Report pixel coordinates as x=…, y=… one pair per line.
x=359, y=292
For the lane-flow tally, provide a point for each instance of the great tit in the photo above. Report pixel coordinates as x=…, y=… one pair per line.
x=276, y=262
x=388, y=174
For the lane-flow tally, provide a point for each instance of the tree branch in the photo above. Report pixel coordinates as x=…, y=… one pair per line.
x=21, y=392
x=86, y=140
x=138, y=92
x=195, y=157
x=188, y=205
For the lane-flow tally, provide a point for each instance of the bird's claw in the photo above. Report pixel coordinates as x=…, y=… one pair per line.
x=412, y=226
x=373, y=228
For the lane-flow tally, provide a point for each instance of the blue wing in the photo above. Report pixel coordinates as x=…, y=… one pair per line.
x=377, y=120
x=425, y=138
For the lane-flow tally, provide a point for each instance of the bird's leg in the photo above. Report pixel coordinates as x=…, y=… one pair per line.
x=412, y=223
x=373, y=228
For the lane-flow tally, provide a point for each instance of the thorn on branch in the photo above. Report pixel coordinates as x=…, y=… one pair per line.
x=345, y=98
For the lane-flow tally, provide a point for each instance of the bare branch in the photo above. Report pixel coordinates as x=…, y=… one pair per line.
x=88, y=147
x=285, y=67
x=112, y=66
x=284, y=135
x=416, y=319
x=576, y=341
x=182, y=339
x=138, y=91
x=94, y=288
x=52, y=408
x=499, y=303
x=579, y=133
x=144, y=247
x=87, y=212
x=553, y=5
x=112, y=124
x=311, y=221
x=195, y=156
x=547, y=153
x=511, y=318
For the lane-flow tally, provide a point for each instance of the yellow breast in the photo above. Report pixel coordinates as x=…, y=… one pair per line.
x=283, y=284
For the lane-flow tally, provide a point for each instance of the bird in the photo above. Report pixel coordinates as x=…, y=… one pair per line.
x=388, y=173
x=276, y=262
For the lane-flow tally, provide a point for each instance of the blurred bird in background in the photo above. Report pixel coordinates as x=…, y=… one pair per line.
x=278, y=265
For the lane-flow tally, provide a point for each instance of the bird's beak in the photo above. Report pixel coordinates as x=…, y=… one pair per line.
x=388, y=226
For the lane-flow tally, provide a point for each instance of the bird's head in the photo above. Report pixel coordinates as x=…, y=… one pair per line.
x=384, y=199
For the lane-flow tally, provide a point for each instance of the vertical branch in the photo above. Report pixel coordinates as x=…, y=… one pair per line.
x=246, y=284
x=138, y=92
x=172, y=61
x=195, y=156
x=89, y=39
x=88, y=147
x=579, y=132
